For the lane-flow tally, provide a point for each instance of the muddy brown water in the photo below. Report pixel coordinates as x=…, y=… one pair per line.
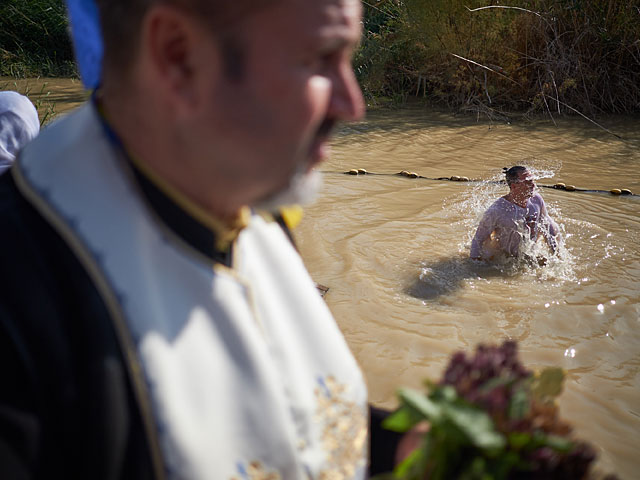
x=394, y=253
x=51, y=96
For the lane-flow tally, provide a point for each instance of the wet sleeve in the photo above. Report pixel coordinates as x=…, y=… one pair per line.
x=550, y=228
x=485, y=228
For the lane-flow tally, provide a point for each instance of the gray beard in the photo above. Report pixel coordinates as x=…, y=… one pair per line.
x=302, y=190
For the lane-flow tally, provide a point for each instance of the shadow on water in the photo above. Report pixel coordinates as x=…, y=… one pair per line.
x=448, y=275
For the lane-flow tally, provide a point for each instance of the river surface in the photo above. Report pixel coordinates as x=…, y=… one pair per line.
x=394, y=253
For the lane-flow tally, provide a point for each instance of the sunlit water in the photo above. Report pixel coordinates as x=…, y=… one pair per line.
x=394, y=253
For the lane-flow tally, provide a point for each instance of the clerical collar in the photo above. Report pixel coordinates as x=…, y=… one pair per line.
x=203, y=232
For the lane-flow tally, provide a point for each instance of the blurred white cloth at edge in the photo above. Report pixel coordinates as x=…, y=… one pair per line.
x=19, y=124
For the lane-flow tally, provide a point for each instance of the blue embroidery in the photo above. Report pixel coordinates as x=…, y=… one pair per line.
x=324, y=386
x=242, y=470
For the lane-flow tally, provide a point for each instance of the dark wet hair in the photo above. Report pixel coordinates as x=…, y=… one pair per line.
x=511, y=174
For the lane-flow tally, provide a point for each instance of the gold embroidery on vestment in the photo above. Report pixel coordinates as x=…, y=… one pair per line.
x=344, y=433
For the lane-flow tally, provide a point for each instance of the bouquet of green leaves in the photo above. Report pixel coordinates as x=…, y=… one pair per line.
x=490, y=418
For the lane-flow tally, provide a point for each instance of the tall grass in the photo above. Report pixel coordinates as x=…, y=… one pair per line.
x=39, y=96
x=532, y=56
x=34, y=39
x=552, y=56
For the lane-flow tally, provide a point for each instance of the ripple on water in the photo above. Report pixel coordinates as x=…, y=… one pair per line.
x=395, y=253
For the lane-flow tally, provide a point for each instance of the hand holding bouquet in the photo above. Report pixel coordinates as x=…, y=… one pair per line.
x=490, y=418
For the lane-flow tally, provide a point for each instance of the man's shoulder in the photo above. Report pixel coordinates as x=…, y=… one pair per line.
x=26, y=237
x=499, y=205
x=34, y=259
x=56, y=331
x=16, y=219
x=45, y=291
x=537, y=199
x=63, y=137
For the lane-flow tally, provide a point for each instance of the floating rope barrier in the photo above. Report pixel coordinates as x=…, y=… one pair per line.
x=456, y=178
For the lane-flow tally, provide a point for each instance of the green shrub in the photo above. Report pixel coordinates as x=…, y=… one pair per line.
x=34, y=39
x=556, y=56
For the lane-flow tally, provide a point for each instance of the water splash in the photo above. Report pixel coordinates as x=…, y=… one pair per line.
x=581, y=245
x=534, y=259
x=541, y=168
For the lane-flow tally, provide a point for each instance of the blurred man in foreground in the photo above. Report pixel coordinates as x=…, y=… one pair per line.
x=154, y=323
x=518, y=216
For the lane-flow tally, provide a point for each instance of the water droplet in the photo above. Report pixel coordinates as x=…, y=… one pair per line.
x=546, y=305
x=570, y=352
x=613, y=302
x=600, y=308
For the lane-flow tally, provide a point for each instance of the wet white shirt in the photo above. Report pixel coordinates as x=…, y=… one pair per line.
x=510, y=224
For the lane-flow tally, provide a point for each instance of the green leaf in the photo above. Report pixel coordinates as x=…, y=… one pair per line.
x=519, y=440
x=477, y=425
x=384, y=476
x=519, y=405
x=421, y=403
x=502, y=467
x=548, y=384
x=408, y=465
x=414, y=465
x=495, y=382
x=541, y=439
x=476, y=470
x=443, y=393
x=402, y=420
x=558, y=443
x=430, y=385
x=441, y=453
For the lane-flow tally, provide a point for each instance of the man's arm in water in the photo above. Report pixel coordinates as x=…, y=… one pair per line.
x=486, y=226
x=549, y=228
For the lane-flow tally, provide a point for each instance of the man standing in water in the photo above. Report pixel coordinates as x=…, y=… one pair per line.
x=521, y=214
x=154, y=323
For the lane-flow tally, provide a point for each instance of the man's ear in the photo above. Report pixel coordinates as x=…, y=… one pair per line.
x=170, y=43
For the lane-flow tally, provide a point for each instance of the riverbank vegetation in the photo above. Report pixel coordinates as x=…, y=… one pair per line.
x=489, y=57
x=482, y=56
x=34, y=39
